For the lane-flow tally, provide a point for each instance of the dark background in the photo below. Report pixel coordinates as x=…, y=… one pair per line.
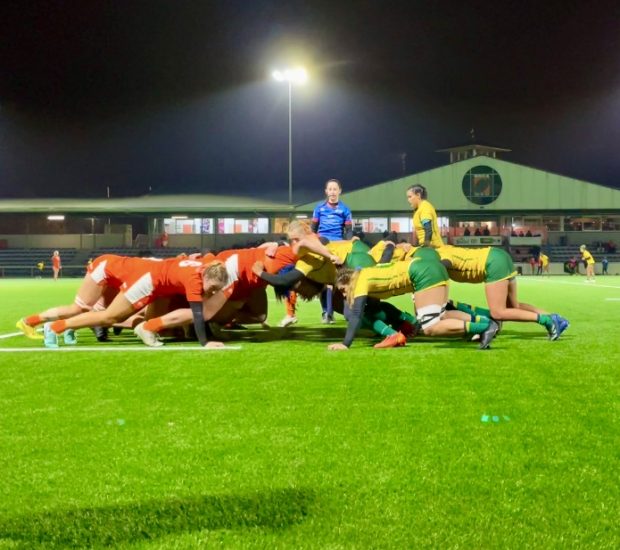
x=176, y=96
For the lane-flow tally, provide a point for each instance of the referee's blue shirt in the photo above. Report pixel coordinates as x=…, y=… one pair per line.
x=332, y=220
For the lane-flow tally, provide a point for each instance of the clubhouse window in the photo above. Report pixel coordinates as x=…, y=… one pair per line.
x=552, y=223
x=370, y=225
x=243, y=225
x=401, y=225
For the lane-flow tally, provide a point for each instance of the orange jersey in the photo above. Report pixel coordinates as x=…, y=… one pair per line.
x=56, y=262
x=239, y=266
x=144, y=279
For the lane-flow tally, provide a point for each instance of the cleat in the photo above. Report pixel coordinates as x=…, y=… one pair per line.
x=28, y=330
x=117, y=330
x=69, y=337
x=101, y=333
x=563, y=324
x=50, y=338
x=265, y=326
x=148, y=337
x=488, y=335
x=288, y=320
x=408, y=329
x=555, y=330
x=327, y=319
x=395, y=340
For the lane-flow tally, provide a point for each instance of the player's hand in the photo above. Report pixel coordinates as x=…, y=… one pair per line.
x=337, y=347
x=258, y=268
x=405, y=246
x=214, y=345
x=335, y=260
x=271, y=251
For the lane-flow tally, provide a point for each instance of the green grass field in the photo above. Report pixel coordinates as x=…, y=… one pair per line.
x=283, y=444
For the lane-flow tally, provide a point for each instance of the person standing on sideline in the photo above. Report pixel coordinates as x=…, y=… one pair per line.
x=332, y=219
x=605, y=263
x=425, y=225
x=589, y=260
x=56, y=265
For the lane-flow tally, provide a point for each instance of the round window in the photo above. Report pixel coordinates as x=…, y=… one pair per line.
x=482, y=185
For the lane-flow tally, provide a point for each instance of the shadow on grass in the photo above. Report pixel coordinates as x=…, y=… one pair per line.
x=112, y=525
x=306, y=333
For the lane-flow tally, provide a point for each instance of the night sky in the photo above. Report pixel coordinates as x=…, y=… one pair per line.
x=176, y=96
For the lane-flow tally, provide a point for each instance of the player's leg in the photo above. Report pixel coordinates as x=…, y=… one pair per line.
x=86, y=297
x=290, y=303
x=430, y=307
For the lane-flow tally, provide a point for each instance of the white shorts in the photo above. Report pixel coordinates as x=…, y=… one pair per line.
x=430, y=315
x=140, y=293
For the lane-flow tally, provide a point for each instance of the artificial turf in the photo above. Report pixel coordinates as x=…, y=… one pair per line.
x=283, y=444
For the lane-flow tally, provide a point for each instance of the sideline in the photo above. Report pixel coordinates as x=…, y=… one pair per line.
x=103, y=348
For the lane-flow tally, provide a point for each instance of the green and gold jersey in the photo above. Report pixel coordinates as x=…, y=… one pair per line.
x=469, y=265
x=425, y=211
x=340, y=248
x=384, y=281
x=317, y=268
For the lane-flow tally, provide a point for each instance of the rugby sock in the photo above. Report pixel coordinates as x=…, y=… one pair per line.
x=471, y=310
x=482, y=311
x=466, y=308
x=405, y=316
x=544, y=320
x=154, y=325
x=477, y=327
x=59, y=326
x=290, y=303
x=33, y=320
x=329, y=308
x=381, y=328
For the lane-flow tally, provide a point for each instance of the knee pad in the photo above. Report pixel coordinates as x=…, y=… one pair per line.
x=430, y=315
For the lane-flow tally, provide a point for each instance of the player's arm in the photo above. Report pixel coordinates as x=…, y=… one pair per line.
x=285, y=280
x=347, y=229
x=354, y=323
x=310, y=243
x=203, y=332
x=427, y=225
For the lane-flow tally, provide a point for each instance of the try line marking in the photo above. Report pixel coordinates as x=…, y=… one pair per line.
x=116, y=348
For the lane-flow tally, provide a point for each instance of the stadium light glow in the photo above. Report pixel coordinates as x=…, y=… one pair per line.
x=292, y=76
x=56, y=217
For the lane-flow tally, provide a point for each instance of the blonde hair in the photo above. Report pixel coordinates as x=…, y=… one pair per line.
x=347, y=278
x=216, y=273
x=298, y=229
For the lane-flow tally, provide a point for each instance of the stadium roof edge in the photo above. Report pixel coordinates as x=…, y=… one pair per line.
x=147, y=204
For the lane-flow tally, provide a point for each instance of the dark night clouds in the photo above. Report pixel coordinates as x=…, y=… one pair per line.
x=174, y=95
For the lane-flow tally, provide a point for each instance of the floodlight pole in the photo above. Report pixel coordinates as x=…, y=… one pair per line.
x=290, y=142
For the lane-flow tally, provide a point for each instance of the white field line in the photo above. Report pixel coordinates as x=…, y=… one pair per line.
x=612, y=299
x=582, y=284
x=116, y=348
x=11, y=335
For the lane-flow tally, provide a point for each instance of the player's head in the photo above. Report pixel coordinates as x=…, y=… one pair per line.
x=582, y=247
x=297, y=230
x=333, y=188
x=346, y=278
x=56, y=253
x=416, y=194
x=214, y=278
